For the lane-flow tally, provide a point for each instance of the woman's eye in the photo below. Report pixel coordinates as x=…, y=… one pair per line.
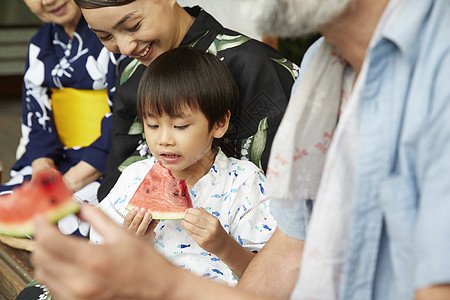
x=181, y=127
x=135, y=27
x=104, y=38
x=152, y=126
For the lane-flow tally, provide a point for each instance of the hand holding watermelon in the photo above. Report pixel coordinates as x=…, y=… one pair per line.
x=139, y=221
x=46, y=194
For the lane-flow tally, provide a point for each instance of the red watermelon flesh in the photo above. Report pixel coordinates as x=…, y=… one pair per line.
x=46, y=194
x=164, y=196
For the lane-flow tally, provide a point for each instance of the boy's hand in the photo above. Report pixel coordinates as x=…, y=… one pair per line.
x=139, y=221
x=205, y=229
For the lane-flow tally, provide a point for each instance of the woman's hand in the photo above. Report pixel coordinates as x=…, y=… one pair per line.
x=81, y=175
x=41, y=164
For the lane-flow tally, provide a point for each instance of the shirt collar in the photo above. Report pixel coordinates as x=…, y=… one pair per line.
x=402, y=23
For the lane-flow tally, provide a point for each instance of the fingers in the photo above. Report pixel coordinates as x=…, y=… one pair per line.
x=47, y=236
x=198, y=222
x=193, y=214
x=192, y=220
x=142, y=229
x=56, y=257
x=137, y=221
x=130, y=217
x=200, y=218
x=205, y=229
x=104, y=225
x=153, y=224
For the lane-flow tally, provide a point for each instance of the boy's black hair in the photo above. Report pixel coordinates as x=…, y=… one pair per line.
x=187, y=77
x=88, y=4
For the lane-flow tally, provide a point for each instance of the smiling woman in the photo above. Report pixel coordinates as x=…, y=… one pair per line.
x=140, y=29
x=143, y=30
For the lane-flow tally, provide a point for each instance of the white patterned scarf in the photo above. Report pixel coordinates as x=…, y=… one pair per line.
x=302, y=150
x=304, y=135
x=328, y=232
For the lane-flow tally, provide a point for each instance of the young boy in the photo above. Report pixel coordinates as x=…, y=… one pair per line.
x=185, y=100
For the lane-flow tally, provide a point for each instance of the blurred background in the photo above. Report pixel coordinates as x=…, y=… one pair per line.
x=18, y=24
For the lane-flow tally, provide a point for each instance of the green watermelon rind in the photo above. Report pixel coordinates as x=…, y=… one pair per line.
x=163, y=215
x=26, y=228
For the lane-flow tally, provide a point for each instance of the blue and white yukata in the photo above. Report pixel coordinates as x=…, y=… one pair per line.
x=233, y=191
x=67, y=91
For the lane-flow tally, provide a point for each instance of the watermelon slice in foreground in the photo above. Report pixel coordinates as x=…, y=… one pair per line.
x=164, y=196
x=47, y=195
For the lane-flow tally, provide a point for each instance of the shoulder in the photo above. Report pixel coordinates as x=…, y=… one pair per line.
x=45, y=29
x=309, y=55
x=130, y=71
x=44, y=35
x=427, y=52
x=234, y=44
x=307, y=58
x=238, y=170
x=238, y=51
x=249, y=59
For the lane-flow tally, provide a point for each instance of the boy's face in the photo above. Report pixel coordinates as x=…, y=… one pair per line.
x=61, y=12
x=142, y=29
x=183, y=144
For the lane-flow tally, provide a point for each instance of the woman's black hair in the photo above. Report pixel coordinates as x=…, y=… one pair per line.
x=88, y=4
x=187, y=78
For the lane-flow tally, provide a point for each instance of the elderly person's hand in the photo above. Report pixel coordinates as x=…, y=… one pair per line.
x=123, y=268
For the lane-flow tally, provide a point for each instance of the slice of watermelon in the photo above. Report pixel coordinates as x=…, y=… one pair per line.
x=47, y=195
x=164, y=196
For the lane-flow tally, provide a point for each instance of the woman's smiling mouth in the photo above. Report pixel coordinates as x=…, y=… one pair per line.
x=144, y=54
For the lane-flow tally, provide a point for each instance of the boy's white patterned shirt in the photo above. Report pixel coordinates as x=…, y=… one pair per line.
x=233, y=191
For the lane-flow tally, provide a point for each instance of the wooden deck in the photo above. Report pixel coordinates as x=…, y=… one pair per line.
x=15, y=271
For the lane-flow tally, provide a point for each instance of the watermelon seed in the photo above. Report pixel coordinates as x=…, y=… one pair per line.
x=176, y=194
x=48, y=180
x=52, y=200
x=147, y=191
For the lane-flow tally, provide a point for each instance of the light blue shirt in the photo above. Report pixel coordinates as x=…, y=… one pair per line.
x=399, y=239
